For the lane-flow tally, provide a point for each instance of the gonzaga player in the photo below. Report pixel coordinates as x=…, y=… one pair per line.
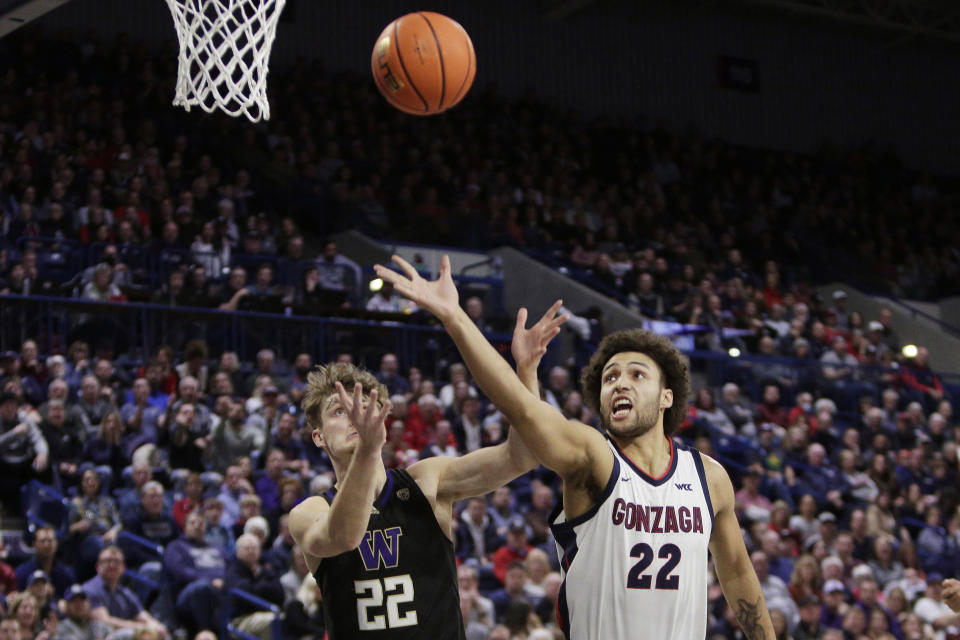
x=639, y=512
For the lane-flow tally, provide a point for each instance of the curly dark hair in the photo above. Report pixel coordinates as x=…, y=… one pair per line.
x=673, y=370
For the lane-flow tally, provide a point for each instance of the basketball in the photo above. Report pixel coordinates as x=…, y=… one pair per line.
x=423, y=63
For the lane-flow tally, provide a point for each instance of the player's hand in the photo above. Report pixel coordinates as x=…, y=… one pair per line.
x=529, y=345
x=951, y=594
x=367, y=420
x=439, y=296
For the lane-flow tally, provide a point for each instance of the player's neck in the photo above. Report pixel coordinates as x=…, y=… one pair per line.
x=340, y=471
x=651, y=451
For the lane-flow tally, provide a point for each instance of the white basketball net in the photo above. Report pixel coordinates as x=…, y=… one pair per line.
x=225, y=54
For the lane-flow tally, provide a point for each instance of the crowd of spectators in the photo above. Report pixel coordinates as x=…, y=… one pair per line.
x=846, y=474
x=847, y=515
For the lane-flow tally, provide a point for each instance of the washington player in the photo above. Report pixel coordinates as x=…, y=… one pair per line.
x=379, y=543
x=639, y=511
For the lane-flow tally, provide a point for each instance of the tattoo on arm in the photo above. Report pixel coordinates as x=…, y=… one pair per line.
x=748, y=615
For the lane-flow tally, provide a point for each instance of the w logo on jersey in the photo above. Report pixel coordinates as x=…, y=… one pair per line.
x=381, y=546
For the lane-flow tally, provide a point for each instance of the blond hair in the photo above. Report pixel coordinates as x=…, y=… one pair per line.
x=321, y=384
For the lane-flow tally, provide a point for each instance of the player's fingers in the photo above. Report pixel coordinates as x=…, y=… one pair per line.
x=371, y=405
x=521, y=320
x=358, y=399
x=389, y=275
x=344, y=398
x=559, y=320
x=385, y=411
x=445, y=267
x=405, y=266
x=552, y=311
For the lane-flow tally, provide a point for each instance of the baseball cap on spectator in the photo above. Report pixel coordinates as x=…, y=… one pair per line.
x=9, y=355
x=75, y=591
x=833, y=586
x=39, y=574
x=874, y=325
x=826, y=516
x=933, y=576
x=517, y=524
x=808, y=600
x=270, y=389
x=839, y=294
x=8, y=396
x=801, y=342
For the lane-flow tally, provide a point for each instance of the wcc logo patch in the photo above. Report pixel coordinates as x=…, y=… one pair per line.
x=683, y=486
x=381, y=546
x=403, y=493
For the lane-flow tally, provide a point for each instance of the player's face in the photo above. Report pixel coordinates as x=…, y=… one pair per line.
x=632, y=398
x=338, y=435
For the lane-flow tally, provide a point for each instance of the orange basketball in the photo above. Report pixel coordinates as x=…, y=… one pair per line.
x=423, y=63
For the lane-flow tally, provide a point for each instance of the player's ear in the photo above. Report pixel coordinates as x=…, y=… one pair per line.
x=318, y=440
x=666, y=398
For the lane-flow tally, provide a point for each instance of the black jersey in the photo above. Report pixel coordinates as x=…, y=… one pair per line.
x=401, y=582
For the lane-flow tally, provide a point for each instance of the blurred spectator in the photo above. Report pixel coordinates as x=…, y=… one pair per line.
x=233, y=438
x=140, y=414
x=24, y=452
x=246, y=572
x=477, y=611
x=191, y=501
x=515, y=577
x=107, y=449
x=389, y=375
x=232, y=492
x=467, y=425
x=45, y=546
x=931, y=608
x=303, y=615
x=515, y=548
x=737, y=409
x=114, y=604
x=94, y=521
x=474, y=308
x=706, y=409
x=774, y=589
x=196, y=571
x=541, y=505
x=477, y=536
x=65, y=442
x=153, y=522
x=388, y=301
x=267, y=486
x=919, y=382
x=337, y=272
x=440, y=442
x=78, y=623
x=94, y=402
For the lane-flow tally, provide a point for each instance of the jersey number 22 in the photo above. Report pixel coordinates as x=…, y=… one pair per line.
x=637, y=578
x=398, y=590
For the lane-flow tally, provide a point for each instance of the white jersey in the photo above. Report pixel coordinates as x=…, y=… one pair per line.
x=635, y=564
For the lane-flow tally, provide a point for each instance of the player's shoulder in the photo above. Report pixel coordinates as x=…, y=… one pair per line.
x=718, y=480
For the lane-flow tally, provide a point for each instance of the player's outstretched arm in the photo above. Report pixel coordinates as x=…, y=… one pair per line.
x=737, y=577
x=565, y=447
x=484, y=470
x=324, y=530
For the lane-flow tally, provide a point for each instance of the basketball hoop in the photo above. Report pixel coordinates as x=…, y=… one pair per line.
x=225, y=54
